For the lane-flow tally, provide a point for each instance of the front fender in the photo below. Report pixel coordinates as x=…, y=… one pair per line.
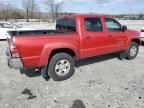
x=132, y=35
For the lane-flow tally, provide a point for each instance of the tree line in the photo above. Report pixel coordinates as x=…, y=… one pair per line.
x=30, y=10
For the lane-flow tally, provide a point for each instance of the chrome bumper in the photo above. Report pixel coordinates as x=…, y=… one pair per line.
x=15, y=63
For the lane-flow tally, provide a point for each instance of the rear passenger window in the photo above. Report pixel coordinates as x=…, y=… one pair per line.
x=71, y=24
x=93, y=24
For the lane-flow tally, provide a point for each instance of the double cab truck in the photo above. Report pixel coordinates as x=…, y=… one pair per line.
x=76, y=37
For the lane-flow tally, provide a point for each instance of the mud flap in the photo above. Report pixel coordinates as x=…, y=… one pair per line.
x=44, y=73
x=123, y=55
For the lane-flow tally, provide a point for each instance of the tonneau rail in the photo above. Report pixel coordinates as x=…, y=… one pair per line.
x=36, y=32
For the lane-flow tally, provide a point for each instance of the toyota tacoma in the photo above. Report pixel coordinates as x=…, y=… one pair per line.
x=76, y=37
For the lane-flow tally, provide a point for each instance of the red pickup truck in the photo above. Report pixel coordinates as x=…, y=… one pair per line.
x=76, y=37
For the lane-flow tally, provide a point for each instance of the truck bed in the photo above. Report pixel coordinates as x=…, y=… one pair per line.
x=37, y=33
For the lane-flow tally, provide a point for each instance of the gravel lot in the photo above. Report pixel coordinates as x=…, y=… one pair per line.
x=99, y=82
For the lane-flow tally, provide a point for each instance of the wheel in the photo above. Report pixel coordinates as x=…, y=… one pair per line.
x=133, y=51
x=61, y=67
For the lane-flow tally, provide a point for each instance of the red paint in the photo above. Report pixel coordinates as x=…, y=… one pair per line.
x=35, y=51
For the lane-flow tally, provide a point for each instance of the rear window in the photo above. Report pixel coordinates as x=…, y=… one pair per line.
x=66, y=24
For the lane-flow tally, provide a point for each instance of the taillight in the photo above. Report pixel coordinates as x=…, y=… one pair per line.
x=142, y=30
x=13, y=49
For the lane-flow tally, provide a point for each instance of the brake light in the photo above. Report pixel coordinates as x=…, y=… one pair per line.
x=13, y=49
x=142, y=30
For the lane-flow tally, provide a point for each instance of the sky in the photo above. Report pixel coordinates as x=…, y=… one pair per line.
x=93, y=6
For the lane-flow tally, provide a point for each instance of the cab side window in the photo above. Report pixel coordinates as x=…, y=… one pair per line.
x=112, y=25
x=93, y=24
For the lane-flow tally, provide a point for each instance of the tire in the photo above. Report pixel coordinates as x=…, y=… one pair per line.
x=132, y=51
x=142, y=43
x=61, y=67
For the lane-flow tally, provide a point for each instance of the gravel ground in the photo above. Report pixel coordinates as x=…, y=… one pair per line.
x=99, y=82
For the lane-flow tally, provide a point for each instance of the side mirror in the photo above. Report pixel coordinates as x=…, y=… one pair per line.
x=142, y=30
x=124, y=28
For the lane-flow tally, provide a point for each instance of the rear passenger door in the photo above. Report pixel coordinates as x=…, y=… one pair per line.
x=95, y=41
x=117, y=38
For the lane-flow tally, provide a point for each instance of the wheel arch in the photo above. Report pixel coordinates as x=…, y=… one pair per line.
x=49, y=51
x=65, y=50
x=137, y=41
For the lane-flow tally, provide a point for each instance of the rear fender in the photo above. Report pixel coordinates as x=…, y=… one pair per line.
x=48, y=48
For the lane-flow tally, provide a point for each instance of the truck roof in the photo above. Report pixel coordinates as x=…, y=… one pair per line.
x=87, y=15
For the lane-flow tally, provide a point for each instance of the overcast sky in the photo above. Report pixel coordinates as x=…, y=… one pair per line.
x=93, y=6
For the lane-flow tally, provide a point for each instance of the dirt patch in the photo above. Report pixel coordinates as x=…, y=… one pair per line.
x=78, y=104
x=29, y=93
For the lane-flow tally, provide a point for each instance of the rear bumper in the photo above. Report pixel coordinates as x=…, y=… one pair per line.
x=15, y=63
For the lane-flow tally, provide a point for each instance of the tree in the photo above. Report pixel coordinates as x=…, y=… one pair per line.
x=141, y=16
x=33, y=8
x=6, y=10
x=55, y=6
x=30, y=6
x=26, y=6
x=58, y=7
x=17, y=14
x=38, y=14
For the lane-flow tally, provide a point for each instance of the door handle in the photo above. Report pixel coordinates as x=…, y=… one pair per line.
x=110, y=36
x=88, y=37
